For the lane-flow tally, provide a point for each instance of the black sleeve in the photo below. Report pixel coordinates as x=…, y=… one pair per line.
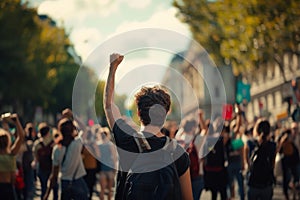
x=183, y=161
x=123, y=136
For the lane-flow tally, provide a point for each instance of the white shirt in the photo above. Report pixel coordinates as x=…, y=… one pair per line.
x=73, y=161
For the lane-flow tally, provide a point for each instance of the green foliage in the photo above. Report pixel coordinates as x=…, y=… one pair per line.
x=35, y=67
x=244, y=34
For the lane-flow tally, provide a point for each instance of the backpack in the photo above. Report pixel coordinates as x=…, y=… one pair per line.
x=44, y=156
x=290, y=153
x=261, y=167
x=194, y=159
x=147, y=179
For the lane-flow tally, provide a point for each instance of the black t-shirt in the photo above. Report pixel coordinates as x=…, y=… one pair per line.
x=128, y=150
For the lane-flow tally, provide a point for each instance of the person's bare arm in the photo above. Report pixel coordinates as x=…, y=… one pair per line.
x=201, y=122
x=238, y=120
x=186, y=185
x=20, y=135
x=246, y=157
x=112, y=112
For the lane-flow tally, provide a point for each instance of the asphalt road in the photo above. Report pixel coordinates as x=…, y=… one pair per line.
x=278, y=195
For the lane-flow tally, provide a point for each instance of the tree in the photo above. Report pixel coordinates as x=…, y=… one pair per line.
x=35, y=66
x=244, y=34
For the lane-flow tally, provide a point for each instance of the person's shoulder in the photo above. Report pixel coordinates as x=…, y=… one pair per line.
x=122, y=125
x=177, y=147
x=37, y=143
x=57, y=147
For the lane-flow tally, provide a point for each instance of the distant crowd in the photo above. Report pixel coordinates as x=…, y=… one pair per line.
x=255, y=155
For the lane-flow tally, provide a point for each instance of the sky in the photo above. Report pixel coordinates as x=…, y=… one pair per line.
x=92, y=24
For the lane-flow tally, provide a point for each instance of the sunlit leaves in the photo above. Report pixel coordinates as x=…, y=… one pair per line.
x=244, y=34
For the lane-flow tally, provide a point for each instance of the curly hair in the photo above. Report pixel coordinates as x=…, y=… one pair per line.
x=153, y=104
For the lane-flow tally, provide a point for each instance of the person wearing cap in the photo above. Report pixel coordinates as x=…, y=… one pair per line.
x=42, y=150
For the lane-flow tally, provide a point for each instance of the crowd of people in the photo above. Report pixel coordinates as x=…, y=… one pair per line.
x=46, y=158
x=159, y=159
x=255, y=156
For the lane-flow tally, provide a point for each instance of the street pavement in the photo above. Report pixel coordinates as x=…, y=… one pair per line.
x=278, y=195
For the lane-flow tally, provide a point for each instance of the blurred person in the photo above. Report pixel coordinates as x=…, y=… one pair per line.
x=42, y=151
x=108, y=163
x=90, y=154
x=27, y=159
x=289, y=161
x=235, y=151
x=30, y=132
x=192, y=142
x=215, y=162
x=153, y=104
x=8, y=152
x=67, y=160
x=261, y=165
x=295, y=134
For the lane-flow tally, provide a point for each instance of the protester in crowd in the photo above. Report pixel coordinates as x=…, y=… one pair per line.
x=108, y=164
x=289, y=161
x=215, y=162
x=27, y=158
x=90, y=154
x=235, y=147
x=262, y=160
x=153, y=104
x=295, y=134
x=192, y=141
x=31, y=135
x=8, y=152
x=42, y=151
x=67, y=160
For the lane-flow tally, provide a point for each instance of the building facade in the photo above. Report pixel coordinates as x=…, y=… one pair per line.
x=196, y=82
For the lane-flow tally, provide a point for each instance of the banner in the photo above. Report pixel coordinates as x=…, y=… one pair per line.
x=243, y=92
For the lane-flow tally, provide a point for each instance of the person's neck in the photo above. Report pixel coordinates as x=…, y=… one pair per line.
x=260, y=140
x=155, y=130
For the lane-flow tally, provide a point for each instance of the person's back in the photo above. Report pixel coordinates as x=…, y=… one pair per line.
x=261, y=167
x=153, y=105
x=159, y=179
x=215, y=166
x=261, y=177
